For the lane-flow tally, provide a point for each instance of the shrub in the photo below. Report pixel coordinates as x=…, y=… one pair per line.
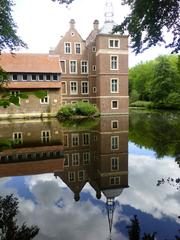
x=143, y=104
x=79, y=109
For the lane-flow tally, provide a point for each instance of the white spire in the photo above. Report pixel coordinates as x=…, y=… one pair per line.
x=109, y=13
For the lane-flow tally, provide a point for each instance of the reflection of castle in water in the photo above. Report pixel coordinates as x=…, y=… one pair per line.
x=98, y=156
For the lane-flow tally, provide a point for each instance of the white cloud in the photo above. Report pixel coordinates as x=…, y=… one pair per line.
x=42, y=22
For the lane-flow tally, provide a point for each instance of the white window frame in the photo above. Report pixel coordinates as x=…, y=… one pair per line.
x=73, y=67
x=66, y=157
x=34, y=74
x=94, y=89
x=112, y=104
x=93, y=68
x=73, y=136
x=93, y=48
x=81, y=178
x=84, y=67
x=14, y=74
x=18, y=137
x=114, y=145
x=82, y=88
x=65, y=88
x=75, y=47
x=67, y=138
x=24, y=74
x=44, y=101
x=86, y=158
x=114, y=163
x=113, y=41
x=112, y=62
x=42, y=76
x=65, y=48
x=71, y=176
x=114, y=121
x=75, y=159
x=74, y=92
x=45, y=136
x=116, y=179
x=86, y=139
x=117, y=85
x=64, y=66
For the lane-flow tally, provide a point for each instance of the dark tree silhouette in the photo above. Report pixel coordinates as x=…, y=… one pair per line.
x=9, y=230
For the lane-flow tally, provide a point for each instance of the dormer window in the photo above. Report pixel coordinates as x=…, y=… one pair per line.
x=14, y=77
x=67, y=47
x=114, y=43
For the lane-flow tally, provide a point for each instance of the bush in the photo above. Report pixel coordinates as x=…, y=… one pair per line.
x=78, y=109
x=143, y=104
x=173, y=100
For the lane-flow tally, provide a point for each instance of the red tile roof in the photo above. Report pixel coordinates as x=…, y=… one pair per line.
x=33, y=85
x=30, y=63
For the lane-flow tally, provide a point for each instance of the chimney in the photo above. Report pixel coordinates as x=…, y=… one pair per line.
x=96, y=24
x=72, y=23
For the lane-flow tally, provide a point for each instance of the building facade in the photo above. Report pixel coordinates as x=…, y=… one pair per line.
x=94, y=70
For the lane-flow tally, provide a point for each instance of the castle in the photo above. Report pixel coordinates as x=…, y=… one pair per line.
x=94, y=70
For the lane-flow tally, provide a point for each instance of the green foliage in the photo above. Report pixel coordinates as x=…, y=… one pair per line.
x=80, y=124
x=143, y=104
x=147, y=22
x=156, y=81
x=158, y=131
x=8, y=223
x=8, y=30
x=78, y=109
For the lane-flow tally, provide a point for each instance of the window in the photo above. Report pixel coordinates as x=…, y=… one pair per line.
x=67, y=48
x=114, y=163
x=48, y=77
x=73, y=87
x=44, y=100
x=77, y=48
x=17, y=137
x=94, y=68
x=115, y=180
x=73, y=67
x=114, y=85
x=94, y=89
x=85, y=87
x=45, y=136
x=41, y=77
x=84, y=67
x=71, y=176
x=85, y=100
x=114, y=124
x=86, y=158
x=24, y=77
x=66, y=160
x=114, y=63
x=115, y=142
x=55, y=77
x=80, y=175
x=114, y=43
x=75, y=139
x=33, y=77
x=14, y=93
x=66, y=140
x=93, y=48
x=14, y=77
x=86, y=138
x=114, y=104
x=75, y=159
x=63, y=66
x=64, y=87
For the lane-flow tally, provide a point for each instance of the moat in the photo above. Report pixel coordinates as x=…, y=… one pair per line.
x=84, y=180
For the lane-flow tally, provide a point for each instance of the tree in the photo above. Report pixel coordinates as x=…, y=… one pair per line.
x=164, y=80
x=148, y=20
x=9, y=230
x=8, y=29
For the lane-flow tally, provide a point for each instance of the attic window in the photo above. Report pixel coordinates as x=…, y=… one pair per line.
x=14, y=77
x=72, y=34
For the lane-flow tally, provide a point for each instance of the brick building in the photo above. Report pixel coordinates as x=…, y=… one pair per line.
x=93, y=70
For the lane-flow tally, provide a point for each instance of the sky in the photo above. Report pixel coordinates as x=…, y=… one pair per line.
x=41, y=23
